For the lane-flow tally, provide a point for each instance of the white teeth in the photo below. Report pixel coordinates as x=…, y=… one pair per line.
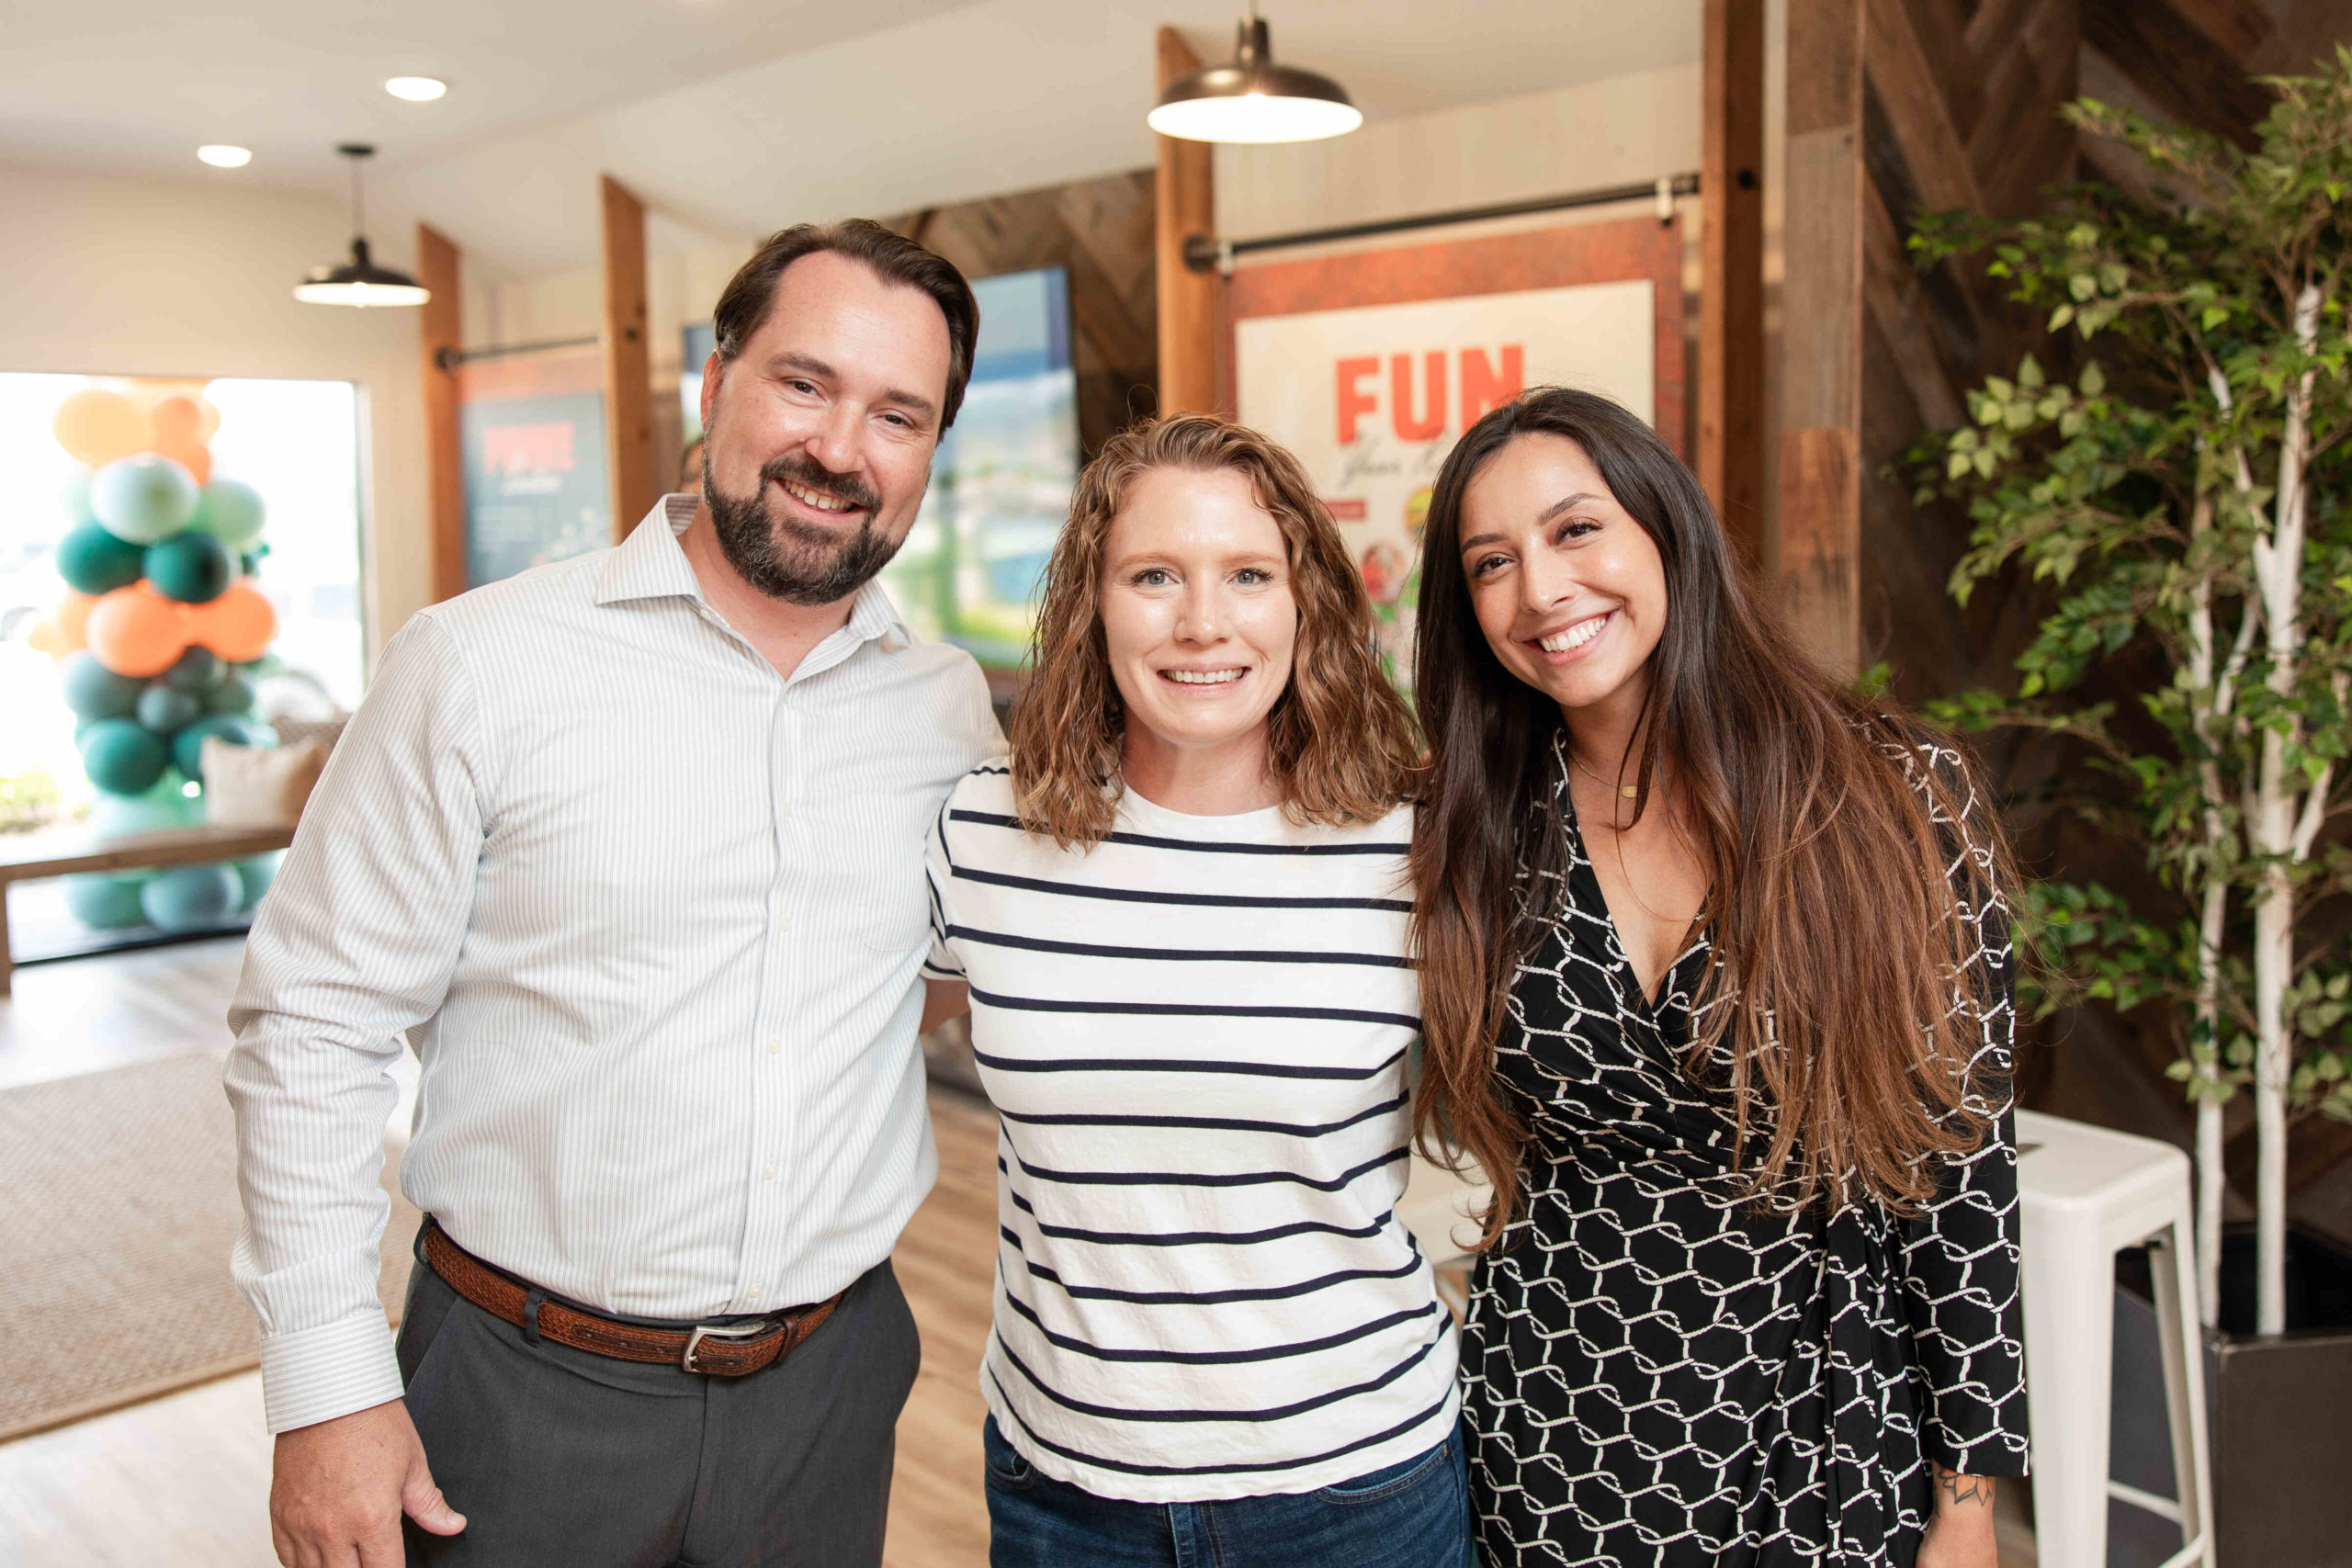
x=810, y=498
x=1575, y=635
x=1203, y=677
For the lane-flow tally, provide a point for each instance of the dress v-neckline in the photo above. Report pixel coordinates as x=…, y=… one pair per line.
x=1645, y=1000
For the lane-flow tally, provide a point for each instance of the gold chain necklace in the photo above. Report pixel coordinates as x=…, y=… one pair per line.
x=1630, y=792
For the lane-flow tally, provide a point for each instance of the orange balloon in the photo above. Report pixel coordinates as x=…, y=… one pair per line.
x=175, y=422
x=238, y=624
x=97, y=427
x=137, y=632
x=195, y=459
x=73, y=622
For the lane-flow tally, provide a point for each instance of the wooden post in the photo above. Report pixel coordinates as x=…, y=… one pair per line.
x=1821, y=314
x=628, y=376
x=440, y=326
x=1731, y=291
x=1185, y=195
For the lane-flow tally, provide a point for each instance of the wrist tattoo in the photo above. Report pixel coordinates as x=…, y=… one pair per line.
x=1962, y=1489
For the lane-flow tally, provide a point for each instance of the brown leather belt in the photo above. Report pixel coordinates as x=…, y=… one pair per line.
x=719, y=1349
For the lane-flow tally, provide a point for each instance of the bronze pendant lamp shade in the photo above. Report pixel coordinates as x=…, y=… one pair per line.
x=1252, y=99
x=359, y=281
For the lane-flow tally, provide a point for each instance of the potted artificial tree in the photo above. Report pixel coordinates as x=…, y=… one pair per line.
x=2185, y=489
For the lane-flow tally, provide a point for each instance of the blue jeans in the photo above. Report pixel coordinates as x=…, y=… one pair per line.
x=1413, y=1514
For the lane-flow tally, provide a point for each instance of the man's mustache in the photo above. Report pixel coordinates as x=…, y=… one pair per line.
x=809, y=474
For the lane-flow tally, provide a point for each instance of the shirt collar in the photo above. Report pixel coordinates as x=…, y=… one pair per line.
x=650, y=564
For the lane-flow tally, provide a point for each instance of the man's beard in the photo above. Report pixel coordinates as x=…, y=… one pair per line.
x=785, y=558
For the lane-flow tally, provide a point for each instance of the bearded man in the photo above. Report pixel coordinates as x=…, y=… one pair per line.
x=631, y=848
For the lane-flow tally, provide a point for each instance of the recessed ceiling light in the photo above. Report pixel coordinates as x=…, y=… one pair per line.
x=222, y=156
x=416, y=89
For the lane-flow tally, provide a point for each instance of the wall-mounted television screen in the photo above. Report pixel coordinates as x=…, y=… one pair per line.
x=973, y=562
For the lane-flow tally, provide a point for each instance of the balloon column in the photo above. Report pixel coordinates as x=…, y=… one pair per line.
x=158, y=619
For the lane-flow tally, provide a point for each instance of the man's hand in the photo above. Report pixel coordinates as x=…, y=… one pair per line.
x=337, y=1491
x=1960, y=1533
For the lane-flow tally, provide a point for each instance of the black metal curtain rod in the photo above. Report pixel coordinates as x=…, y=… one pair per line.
x=450, y=358
x=1201, y=254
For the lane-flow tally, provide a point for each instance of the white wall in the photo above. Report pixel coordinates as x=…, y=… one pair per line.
x=131, y=277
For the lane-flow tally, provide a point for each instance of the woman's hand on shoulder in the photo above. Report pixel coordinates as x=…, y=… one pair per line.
x=1960, y=1534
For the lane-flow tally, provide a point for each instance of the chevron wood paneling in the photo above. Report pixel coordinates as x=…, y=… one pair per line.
x=1102, y=230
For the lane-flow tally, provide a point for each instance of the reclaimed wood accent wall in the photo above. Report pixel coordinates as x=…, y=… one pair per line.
x=1102, y=230
x=1902, y=105
x=628, y=376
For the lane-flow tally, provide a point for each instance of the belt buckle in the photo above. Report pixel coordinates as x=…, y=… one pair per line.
x=703, y=1331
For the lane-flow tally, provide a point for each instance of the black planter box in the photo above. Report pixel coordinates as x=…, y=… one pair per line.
x=2279, y=1413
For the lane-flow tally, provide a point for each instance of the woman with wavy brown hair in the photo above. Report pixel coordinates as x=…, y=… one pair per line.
x=1180, y=906
x=1716, y=989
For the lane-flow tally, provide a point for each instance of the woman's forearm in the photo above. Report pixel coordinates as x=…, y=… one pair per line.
x=1960, y=1535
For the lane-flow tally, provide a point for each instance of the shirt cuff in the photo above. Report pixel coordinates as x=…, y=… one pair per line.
x=319, y=1374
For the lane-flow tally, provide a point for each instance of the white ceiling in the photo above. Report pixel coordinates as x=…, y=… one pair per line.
x=730, y=115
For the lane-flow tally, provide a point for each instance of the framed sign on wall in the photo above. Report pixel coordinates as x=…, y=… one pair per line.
x=1369, y=365
x=531, y=431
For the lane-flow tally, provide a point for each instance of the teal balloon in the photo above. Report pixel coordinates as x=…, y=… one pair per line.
x=166, y=805
x=104, y=903
x=122, y=757
x=231, y=511
x=93, y=690
x=191, y=567
x=143, y=498
x=233, y=695
x=191, y=898
x=93, y=560
x=255, y=873
x=187, y=746
x=196, y=671
x=164, y=710
x=250, y=562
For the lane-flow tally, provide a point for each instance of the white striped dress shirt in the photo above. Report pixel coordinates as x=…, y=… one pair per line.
x=652, y=916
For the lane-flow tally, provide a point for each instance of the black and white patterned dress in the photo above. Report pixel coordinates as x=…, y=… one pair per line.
x=1660, y=1373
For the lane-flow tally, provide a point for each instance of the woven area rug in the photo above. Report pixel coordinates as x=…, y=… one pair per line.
x=117, y=1208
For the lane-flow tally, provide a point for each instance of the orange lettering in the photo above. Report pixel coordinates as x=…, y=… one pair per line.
x=1482, y=388
x=1355, y=402
x=1400, y=382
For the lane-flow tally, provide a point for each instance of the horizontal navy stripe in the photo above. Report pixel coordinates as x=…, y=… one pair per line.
x=1099, y=1462
x=1291, y=1292
x=1148, y=1065
x=1191, y=1010
x=1146, y=841
x=1273, y=1413
x=1196, y=1238
x=1174, y=954
x=1207, y=1123
x=1215, y=1357
x=1194, y=1179
x=1216, y=900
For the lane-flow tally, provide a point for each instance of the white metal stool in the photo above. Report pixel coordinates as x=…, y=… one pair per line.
x=2085, y=1194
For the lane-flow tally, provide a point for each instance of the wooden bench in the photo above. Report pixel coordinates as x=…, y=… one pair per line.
x=65, y=852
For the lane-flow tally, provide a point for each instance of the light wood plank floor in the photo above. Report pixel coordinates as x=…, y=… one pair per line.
x=184, y=1480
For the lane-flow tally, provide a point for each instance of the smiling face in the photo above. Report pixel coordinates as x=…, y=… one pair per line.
x=821, y=429
x=1568, y=588
x=1198, y=619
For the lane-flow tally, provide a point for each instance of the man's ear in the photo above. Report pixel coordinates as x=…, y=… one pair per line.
x=712, y=370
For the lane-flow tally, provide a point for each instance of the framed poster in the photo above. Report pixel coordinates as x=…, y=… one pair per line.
x=531, y=432
x=1369, y=365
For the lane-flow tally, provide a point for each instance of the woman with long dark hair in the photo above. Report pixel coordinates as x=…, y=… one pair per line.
x=1716, y=989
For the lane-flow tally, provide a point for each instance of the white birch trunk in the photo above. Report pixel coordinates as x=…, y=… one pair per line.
x=2278, y=805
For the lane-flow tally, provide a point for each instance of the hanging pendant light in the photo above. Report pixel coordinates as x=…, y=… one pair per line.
x=1253, y=99
x=359, y=281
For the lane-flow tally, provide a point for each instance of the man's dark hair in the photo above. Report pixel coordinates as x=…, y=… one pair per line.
x=892, y=257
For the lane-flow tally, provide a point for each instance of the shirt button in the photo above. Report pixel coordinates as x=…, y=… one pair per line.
x=774, y=1046
x=768, y=1175
x=753, y=1294
x=784, y=922
x=783, y=809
